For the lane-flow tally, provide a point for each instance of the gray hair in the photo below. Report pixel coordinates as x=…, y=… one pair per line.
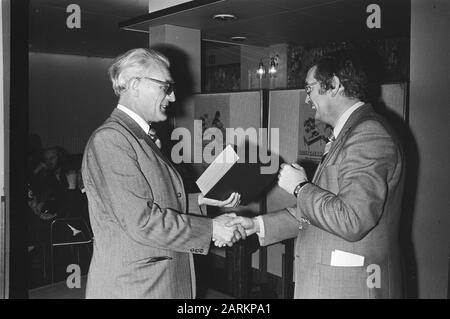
x=133, y=63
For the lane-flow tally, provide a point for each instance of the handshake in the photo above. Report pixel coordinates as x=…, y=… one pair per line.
x=229, y=229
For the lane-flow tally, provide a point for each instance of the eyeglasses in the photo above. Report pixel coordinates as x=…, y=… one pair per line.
x=308, y=87
x=169, y=87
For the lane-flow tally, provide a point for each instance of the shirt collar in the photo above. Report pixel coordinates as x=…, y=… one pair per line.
x=344, y=117
x=139, y=120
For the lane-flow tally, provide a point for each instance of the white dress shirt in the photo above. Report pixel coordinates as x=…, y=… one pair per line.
x=344, y=117
x=139, y=120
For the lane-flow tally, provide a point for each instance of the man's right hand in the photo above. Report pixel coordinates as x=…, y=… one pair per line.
x=251, y=225
x=226, y=235
x=245, y=227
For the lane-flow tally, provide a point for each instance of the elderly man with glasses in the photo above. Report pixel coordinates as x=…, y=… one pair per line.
x=145, y=236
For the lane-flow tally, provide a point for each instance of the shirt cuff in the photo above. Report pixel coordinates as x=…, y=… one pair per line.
x=262, y=232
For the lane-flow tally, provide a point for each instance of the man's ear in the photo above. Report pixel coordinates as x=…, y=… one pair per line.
x=134, y=83
x=336, y=86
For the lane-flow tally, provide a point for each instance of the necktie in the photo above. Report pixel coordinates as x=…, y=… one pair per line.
x=331, y=139
x=152, y=134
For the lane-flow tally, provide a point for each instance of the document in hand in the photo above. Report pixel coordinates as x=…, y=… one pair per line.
x=226, y=175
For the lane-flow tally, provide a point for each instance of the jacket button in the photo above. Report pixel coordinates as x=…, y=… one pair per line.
x=178, y=194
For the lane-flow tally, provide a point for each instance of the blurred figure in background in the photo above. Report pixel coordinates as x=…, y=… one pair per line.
x=54, y=192
x=54, y=184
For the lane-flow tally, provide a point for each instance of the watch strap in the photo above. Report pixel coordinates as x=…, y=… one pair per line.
x=298, y=187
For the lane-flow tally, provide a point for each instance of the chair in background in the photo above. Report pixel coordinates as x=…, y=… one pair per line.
x=69, y=232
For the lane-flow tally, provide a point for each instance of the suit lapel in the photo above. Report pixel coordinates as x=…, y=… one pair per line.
x=134, y=128
x=352, y=121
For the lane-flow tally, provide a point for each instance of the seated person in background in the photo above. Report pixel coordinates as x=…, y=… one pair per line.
x=46, y=194
x=54, y=187
x=54, y=191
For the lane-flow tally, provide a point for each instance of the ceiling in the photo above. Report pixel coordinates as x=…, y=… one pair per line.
x=99, y=34
x=268, y=22
x=119, y=8
x=106, y=23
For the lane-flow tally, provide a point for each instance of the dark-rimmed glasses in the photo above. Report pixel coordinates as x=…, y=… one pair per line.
x=308, y=87
x=169, y=87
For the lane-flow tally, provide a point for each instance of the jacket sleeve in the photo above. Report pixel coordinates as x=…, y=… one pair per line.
x=112, y=172
x=193, y=207
x=369, y=157
x=279, y=226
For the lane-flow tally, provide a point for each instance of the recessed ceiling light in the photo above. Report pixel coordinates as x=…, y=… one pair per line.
x=238, y=39
x=224, y=17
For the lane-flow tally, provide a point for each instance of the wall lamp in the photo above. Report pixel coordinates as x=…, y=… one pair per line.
x=273, y=63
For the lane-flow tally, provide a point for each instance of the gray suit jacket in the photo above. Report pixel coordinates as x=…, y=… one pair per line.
x=354, y=206
x=143, y=238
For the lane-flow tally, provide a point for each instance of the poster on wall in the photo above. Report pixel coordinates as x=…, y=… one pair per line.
x=214, y=112
x=313, y=134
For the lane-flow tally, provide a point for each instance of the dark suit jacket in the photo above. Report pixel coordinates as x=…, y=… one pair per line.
x=143, y=236
x=353, y=205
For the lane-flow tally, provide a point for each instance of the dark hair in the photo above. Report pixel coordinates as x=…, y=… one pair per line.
x=348, y=68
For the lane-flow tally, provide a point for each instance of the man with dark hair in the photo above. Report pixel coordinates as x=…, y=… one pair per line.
x=346, y=219
x=349, y=71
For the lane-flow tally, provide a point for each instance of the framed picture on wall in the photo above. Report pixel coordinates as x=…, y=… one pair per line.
x=222, y=78
x=213, y=112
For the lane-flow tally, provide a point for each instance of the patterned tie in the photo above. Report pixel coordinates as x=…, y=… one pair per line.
x=152, y=134
x=331, y=139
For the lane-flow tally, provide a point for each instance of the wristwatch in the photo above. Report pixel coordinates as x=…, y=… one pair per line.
x=297, y=188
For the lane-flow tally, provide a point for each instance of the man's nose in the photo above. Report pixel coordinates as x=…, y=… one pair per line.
x=172, y=97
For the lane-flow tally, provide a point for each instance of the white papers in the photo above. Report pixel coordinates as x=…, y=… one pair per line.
x=343, y=259
x=217, y=169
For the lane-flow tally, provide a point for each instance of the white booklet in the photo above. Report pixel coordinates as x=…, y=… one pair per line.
x=217, y=169
x=344, y=259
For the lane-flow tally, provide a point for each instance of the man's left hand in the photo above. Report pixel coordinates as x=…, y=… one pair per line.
x=233, y=201
x=290, y=176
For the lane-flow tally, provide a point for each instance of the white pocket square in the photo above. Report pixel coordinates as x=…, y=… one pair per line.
x=341, y=258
